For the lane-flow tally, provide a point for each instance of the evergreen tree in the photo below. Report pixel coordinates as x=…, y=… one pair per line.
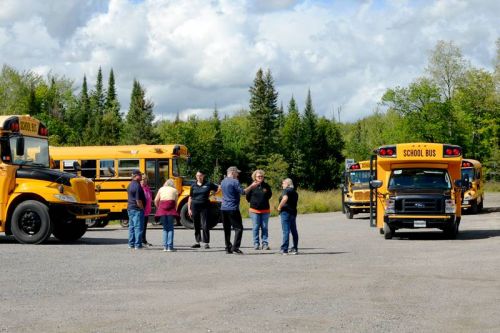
x=112, y=121
x=139, y=122
x=97, y=105
x=291, y=138
x=263, y=117
x=80, y=118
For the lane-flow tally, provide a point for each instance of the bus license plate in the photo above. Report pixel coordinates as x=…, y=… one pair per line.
x=419, y=224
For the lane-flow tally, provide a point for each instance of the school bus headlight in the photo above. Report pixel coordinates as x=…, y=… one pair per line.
x=390, y=206
x=65, y=197
x=467, y=196
x=449, y=206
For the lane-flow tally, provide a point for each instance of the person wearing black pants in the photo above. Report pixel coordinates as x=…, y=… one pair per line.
x=198, y=206
x=231, y=217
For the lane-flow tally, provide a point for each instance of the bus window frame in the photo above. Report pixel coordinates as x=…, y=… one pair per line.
x=127, y=170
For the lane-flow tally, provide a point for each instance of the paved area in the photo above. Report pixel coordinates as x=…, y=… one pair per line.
x=347, y=278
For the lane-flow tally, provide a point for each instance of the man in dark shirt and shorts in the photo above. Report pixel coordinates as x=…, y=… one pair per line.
x=231, y=216
x=135, y=209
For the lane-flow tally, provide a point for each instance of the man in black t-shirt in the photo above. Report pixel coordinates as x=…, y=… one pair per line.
x=135, y=208
x=198, y=207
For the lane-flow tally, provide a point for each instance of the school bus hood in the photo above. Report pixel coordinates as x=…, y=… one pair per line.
x=49, y=175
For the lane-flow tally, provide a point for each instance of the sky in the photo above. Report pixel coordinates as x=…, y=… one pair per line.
x=194, y=55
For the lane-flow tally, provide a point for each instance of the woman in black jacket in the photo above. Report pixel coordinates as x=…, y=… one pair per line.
x=258, y=197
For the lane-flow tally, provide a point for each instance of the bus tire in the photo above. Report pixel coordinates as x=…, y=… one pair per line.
x=124, y=223
x=68, y=230
x=102, y=223
x=30, y=223
x=388, y=231
x=349, y=213
x=473, y=207
x=451, y=231
x=92, y=223
x=214, y=216
x=185, y=218
x=481, y=205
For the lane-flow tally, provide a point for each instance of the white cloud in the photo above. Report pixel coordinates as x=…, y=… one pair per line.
x=347, y=53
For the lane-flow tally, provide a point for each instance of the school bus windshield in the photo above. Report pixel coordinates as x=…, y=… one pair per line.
x=180, y=167
x=469, y=173
x=362, y=176
x=36, y=152
x=419, y=179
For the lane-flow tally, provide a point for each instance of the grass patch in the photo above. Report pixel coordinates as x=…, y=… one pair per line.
x=492, y=187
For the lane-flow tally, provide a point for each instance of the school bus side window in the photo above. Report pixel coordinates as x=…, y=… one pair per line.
x=104, y=166
x=68, y=166
x=89, y=168
x=57, y=165
x=125, y=167
x=163, y=172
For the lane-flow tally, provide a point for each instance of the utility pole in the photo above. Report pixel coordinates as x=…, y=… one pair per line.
x=339, y=109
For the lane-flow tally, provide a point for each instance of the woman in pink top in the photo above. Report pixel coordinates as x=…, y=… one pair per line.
x=165, y=202
x=147, y=207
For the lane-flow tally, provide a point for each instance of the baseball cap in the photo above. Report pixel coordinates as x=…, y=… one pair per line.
x=136, y=172
x=233, y=169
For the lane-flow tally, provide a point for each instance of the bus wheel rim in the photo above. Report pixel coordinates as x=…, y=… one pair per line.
x=30, y=223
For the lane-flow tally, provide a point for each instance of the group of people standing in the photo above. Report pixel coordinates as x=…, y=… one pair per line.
x=258, y=194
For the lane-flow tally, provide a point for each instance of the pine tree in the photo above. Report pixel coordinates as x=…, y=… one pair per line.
x=97, y=104
x=112, y=121
x=291, y=138
x=139, y=122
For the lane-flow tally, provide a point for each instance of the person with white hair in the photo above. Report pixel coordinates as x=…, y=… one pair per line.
x=165, y=202
x=288, y=213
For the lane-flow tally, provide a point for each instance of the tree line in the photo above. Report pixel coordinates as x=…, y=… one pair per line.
x=452, y=102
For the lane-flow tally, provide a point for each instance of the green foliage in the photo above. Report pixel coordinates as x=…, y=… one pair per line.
x=276, y=170
x=139, y=122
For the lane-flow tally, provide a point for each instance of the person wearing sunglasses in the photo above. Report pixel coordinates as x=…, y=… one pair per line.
x=259, y=210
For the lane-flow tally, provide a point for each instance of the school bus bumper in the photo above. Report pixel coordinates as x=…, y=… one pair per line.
x=79, y=212
x=419, y=221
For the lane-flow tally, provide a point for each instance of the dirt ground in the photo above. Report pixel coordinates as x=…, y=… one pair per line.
x=347, y=278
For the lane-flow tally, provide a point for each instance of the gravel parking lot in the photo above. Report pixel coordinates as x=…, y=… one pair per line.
x=347, y=278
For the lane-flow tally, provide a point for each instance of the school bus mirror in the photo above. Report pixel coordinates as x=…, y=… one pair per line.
x=376, y=183
x=76, y=166
x=111, y=171
x=20, y=146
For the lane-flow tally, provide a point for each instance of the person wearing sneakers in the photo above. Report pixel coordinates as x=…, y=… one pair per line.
x=258, y=198
x=198, y=206
x=288, y=213
x=165, y=203
x=231, y=216
x=135, y=209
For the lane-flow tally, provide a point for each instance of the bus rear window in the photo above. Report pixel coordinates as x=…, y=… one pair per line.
x=419, y=179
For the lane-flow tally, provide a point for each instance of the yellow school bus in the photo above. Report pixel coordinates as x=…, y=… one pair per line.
x=111, y=167
x=36, y=201
x=355, y=189
x=417, y=185
x=474, y=195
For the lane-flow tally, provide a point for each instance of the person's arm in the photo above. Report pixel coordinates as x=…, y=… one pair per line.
x=190, y=212
x=138, y=200
x=250, y=187
x=283, y=202
x=269, y=192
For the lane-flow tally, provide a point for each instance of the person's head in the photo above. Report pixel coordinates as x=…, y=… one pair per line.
x=144, y=179
x=137, y=175
x=233, y=172
x=200, y=176
x=258, y=175
x=170, y=182
x=287, y=183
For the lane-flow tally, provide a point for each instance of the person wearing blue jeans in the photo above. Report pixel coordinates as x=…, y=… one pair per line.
x=288, y=213
x=168, y=231
x=259, y=210
x=135, y=208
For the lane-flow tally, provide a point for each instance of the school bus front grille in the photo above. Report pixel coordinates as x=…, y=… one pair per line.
x=419, y=205
x=361, y=195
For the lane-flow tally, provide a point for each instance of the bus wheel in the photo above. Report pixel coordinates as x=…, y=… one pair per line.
x=185, y=218
x=102, y=223
x=388, y=232
x=31, y=223
x=68, y=230
x=473, y=207
x=214, y=216
x=451, y=231
x=124, y=223
x=92, y=223
x=349, y=213
x=480, y=206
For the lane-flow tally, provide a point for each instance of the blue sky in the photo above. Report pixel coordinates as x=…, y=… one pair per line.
x=193, y=54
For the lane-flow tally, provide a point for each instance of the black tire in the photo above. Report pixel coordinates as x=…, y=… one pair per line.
x=451, y=231
x=124, y=223
x=68, y=230
x=214, y=216
x=480, y=206
x=473, y=207
x=185, y=218
x=349, y=213
x=30, y=223
x=103, y=223
x=388, y=231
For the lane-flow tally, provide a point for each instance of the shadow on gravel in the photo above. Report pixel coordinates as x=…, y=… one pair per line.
x=439, y=235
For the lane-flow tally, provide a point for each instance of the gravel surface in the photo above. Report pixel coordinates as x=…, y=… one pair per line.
x=346, y=278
